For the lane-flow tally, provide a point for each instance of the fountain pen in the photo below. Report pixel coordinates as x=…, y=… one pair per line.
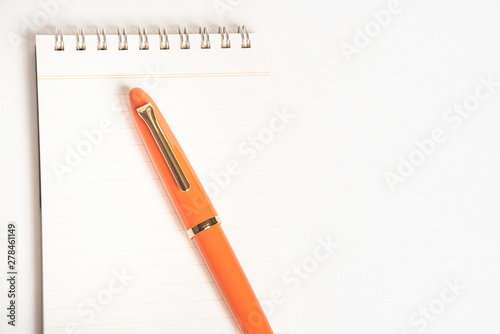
x=197, y=213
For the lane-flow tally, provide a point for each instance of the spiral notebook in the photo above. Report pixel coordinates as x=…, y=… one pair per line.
x=115, y=256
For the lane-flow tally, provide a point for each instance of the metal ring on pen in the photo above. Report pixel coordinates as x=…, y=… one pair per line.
x=80, y=40
x=164, y=45
x=101, y=39
x=245, y=39
x=184, y=38
x=205, y=38
x=59, y=42
x=193, y=231
x=122, y=40
x=143, y=40
x=224, y=38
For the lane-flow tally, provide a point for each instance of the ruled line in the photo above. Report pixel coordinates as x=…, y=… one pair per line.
x=226, y=228
x=178, y=126
x=148, y=213
x=162, y=93
x=156, y=321
x=153, y=196
x=146, y=76
x=128, y=250
x=150, y=267
x=163, y=110
x=148, y=178
x=141, y=144
x=150, y=162
x=140, y=304
x=159, y=285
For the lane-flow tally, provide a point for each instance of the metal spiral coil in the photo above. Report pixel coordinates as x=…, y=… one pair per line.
x=59, y=42
x=245, y=39
x=164, y=45
x=163, y=39
x=184, y=39
x=80, y=40
x=225, y=42
x=122, y=40
x=101, y=40
x=143, y=40
x=205, y=39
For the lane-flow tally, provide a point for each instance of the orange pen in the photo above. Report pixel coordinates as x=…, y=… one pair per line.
x=197, y=213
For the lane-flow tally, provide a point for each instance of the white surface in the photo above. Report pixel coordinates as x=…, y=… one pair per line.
x=396, y=249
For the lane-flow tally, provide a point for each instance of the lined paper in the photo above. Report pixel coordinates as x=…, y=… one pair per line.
x=115, y=256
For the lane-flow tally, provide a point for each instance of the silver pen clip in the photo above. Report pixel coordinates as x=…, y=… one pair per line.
x=147, y=113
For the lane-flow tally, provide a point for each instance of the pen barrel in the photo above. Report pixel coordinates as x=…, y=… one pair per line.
x=197, y=213
x=192, y=206
x=232, y=281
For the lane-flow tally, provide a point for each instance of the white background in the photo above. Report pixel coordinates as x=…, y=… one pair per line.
x=353, y=121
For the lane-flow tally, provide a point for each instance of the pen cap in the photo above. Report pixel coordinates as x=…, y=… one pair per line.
x=179, y=178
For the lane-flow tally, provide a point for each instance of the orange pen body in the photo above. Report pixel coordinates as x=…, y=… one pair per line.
x=194, y=207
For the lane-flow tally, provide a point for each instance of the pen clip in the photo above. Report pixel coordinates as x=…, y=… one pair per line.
x=147, y=113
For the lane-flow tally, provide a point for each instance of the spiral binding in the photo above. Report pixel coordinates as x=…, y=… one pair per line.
x=122, y=40
x=205, y=39
x=80, y=40
x=101, y=40
x=184, y=39
x=59, y=43
x=245, y=39
x=143, y=40
x=224, y=38
x=144, y=43
x=164, y=45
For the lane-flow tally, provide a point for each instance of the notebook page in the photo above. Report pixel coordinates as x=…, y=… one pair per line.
x=115, y=256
